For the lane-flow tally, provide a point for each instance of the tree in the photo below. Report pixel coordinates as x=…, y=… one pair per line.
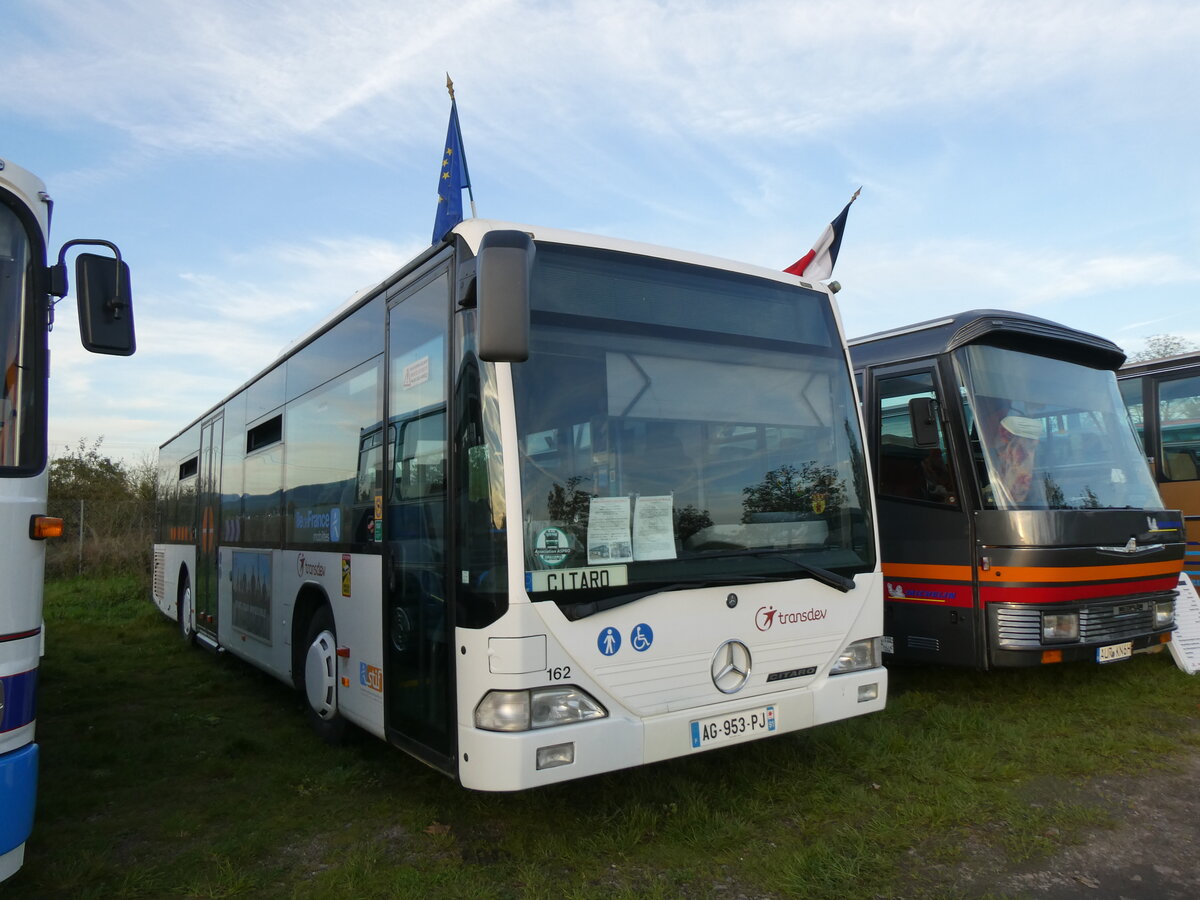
x=809, y=488
x=1160, y=346
x=107, y=507
x=85, y=474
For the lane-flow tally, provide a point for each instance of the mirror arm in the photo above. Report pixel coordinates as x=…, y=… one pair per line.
x=59, y=286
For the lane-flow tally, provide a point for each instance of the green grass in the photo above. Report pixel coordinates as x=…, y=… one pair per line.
x=170, y=772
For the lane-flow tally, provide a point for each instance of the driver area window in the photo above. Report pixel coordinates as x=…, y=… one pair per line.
x=905, y=469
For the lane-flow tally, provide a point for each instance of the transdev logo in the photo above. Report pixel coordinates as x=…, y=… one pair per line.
x=306, y=568
x=768, y=617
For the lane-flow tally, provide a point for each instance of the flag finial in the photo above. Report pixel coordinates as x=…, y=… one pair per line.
x=450, y=85
x=852, y=199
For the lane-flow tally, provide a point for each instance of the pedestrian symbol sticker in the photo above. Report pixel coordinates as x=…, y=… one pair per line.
x=609, y=641
x=641, y=638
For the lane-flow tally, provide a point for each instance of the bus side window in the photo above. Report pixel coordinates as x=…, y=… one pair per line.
x=906, y=469
x=1179, y=427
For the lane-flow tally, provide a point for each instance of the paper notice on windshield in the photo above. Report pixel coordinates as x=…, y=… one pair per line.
x=608, y=539
x=653, y=531
x=1185, y=642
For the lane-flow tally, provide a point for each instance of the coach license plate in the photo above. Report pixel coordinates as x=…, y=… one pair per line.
x=717, y=730
x=1113, y=652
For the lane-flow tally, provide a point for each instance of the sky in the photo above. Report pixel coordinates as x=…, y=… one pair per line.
x=260, y=162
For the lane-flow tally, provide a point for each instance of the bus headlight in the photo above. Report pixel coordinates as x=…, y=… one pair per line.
x=1060, y=626
x=1164, y=613
x=536, y=708
x=864, y=654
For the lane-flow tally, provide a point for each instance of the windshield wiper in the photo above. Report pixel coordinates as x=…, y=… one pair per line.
x=826, y=577
x=586, y=608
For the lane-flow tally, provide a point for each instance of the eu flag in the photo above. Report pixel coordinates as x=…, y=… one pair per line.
x=452, y=180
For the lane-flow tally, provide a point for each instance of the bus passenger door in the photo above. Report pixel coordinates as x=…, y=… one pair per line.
x=925, y=538
x=209, y=511
x=418, y=624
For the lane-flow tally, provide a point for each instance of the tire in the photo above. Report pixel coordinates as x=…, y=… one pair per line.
x=183, y=611
x=317, y=679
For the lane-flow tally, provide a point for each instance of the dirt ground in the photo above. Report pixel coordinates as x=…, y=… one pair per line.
x=1153, y=853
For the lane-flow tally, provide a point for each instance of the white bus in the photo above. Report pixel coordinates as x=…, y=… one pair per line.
x=539, y=506
x=26, y=314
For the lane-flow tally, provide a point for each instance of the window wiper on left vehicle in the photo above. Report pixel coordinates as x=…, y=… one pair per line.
x=825, y=576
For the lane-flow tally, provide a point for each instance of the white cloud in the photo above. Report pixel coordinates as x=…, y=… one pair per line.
x=222, y=75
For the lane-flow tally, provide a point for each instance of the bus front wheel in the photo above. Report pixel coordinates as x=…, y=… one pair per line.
x=319, y=678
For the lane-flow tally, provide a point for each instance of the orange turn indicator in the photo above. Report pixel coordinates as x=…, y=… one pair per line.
x=42, y=527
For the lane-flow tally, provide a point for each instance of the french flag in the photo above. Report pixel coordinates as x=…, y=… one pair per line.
x=817, y=263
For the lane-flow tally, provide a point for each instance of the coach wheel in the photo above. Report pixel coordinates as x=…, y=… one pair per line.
x=320, y=678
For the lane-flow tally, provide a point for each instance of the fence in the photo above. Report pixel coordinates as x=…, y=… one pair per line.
x=101, y=537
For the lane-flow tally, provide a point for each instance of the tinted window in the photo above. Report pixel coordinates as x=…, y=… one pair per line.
x=1179, y=428
x=906, y=470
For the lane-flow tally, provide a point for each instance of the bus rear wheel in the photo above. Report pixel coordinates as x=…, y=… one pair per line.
x=318, y=678
x=183, y=611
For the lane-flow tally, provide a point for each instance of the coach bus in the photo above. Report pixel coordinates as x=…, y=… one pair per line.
x=1018, y=522
x=1163, y=399
x=27, y=284
x=540, y=506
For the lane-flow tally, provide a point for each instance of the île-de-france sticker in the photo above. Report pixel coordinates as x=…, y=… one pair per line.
x=552, y=547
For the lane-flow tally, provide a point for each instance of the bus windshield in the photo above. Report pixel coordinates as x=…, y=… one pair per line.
x=16, y=400
x=1049, y=434
x=681, y=426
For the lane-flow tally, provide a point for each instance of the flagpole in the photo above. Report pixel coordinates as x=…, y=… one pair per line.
x=462, y=152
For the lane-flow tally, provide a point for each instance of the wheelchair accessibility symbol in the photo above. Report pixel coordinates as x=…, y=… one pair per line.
x=641, y=638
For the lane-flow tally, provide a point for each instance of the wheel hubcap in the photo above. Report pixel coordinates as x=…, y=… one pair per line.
x=320, y=679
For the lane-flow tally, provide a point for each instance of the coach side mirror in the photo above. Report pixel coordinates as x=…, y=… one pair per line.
x=103, y=294
x=504, y=271
x=105, y=304
x=922, y=411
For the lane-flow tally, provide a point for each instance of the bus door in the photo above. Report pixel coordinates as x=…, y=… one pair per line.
x=931, y=609
x=209, y=511
x=418, y=624
x=1178, y=456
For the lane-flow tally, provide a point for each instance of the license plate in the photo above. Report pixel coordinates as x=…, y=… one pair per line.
x=718, y=729
x=1114, y=652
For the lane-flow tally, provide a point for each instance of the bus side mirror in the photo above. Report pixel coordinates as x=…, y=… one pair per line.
x=105, y=304
x=922, y=411
x=504, y=271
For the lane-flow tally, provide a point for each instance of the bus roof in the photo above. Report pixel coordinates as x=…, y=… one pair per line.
x=997, y=327
x=29, y=190
x=1163, y=364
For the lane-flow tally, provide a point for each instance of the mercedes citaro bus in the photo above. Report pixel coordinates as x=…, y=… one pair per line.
x=539, y=506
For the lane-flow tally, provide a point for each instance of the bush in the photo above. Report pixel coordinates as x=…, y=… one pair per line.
x=107, y=508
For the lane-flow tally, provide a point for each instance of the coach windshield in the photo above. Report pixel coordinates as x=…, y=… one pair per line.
x=682, y=426
x=1050, y=434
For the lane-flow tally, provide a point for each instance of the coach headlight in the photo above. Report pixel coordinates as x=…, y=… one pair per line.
x=536, y=708
x=864, y=654
x=1164, y=613
x=1060, y=627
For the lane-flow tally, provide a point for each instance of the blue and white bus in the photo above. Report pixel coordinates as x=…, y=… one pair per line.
x=27, y=285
